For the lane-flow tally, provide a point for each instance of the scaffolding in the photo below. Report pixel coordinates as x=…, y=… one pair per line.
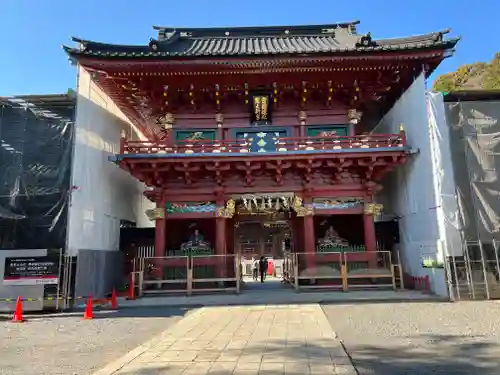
x=474, y=129
x=36, y=143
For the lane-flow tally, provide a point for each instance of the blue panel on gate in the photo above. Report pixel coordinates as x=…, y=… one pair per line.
x=262, y=139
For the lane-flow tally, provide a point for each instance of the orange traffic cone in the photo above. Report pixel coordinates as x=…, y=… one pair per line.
x=88, y=313
x=114, y=301
x=131, y=288
x=18, y=314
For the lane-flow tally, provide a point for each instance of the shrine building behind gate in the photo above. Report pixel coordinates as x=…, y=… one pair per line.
x=249, y=141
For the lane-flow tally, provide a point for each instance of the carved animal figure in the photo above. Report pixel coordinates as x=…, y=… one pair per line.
x=196, y=136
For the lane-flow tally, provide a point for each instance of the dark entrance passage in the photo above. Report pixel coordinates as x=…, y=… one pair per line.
x=266, y=235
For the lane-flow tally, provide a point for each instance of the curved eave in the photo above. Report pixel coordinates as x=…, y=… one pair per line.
x=144, y=53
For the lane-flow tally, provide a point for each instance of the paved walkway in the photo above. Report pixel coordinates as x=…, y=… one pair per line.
x=247, y=340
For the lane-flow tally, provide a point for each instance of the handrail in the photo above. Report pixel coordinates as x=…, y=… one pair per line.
x=309, y=143
x=340, y=142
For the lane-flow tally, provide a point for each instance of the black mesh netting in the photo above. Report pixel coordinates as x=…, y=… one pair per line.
x=36, y=136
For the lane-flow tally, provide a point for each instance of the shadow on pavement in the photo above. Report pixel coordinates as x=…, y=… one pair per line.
x=124, y=312
x=451, y=356
x=442, y=355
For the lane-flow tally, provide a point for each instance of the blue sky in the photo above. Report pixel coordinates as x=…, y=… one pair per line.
x=32, y=31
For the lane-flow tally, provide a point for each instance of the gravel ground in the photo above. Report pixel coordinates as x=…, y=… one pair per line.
x=420, y=338
x=69, y=345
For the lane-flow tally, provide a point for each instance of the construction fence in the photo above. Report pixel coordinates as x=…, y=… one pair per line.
x=52, y=280
x=475, y=275
x=341, y=271
x=474, y=130
x=187, y=274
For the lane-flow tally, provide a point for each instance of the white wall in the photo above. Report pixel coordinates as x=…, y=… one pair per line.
x=409, y=191
x=103, y=194
x=142, y=204
x=449, y=222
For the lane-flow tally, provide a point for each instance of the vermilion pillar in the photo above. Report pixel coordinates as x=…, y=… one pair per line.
x=160, y=238
x=309, y=242
x=220, y=244
x=369, y=227
x=370, y=239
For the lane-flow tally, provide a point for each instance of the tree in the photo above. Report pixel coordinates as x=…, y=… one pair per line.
x=474, y=76
x=492, y=78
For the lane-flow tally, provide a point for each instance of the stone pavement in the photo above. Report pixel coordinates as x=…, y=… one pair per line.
x=246, y=340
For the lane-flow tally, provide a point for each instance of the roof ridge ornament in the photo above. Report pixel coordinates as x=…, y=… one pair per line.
x=366, y=41
x=154, y=45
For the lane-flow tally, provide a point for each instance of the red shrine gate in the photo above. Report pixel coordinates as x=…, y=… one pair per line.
x=271, y=123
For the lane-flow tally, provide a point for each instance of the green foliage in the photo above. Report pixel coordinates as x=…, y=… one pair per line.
x=474, y=76
x=492, y=79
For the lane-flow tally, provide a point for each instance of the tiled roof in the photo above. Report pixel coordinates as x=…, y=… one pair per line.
x=259, y=41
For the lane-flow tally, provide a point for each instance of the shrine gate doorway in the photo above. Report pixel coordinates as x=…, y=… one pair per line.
x=265, y=233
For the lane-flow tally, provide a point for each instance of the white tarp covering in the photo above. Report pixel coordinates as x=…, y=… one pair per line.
x=413, y=192
x=103, y=194
x=449, y=223
x=475, y=132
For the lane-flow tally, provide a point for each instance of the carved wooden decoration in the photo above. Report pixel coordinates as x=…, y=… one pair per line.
x=300, y=209
x=373, y=209
x=227, y=211
x=155, y=213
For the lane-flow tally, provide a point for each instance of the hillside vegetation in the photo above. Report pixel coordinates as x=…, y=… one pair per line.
x=476, y=76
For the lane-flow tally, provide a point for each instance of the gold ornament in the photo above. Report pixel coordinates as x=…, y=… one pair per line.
x=299, y=209
x=373, y=209
x=228, y=211
x=155, y=213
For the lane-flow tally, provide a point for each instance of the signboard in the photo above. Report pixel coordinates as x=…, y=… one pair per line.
x=261, y=108
x=430, y=254
x=31, y=270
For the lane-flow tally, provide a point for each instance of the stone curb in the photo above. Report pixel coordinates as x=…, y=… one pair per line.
x=198, y=305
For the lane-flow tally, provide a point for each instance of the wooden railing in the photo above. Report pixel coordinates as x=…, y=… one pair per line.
x=185, y=147
x=316, y=143
x=340, y=142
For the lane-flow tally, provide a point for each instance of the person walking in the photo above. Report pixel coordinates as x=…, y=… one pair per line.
x=266, y=267
x=255, y=268
x=262, y=268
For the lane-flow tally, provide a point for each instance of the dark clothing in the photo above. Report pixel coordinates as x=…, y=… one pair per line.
x=263, y=268
x=255, y=272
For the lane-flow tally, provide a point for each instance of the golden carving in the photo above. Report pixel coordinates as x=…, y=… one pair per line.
x=373, y=209
x=155, y=213
x=166, y=121
x=228, y=211
x=299, y=208
x=196, y=136
x=169, y=118
x=219, y=118
x=303, y=116
x=401, y=127
x=354, y=116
